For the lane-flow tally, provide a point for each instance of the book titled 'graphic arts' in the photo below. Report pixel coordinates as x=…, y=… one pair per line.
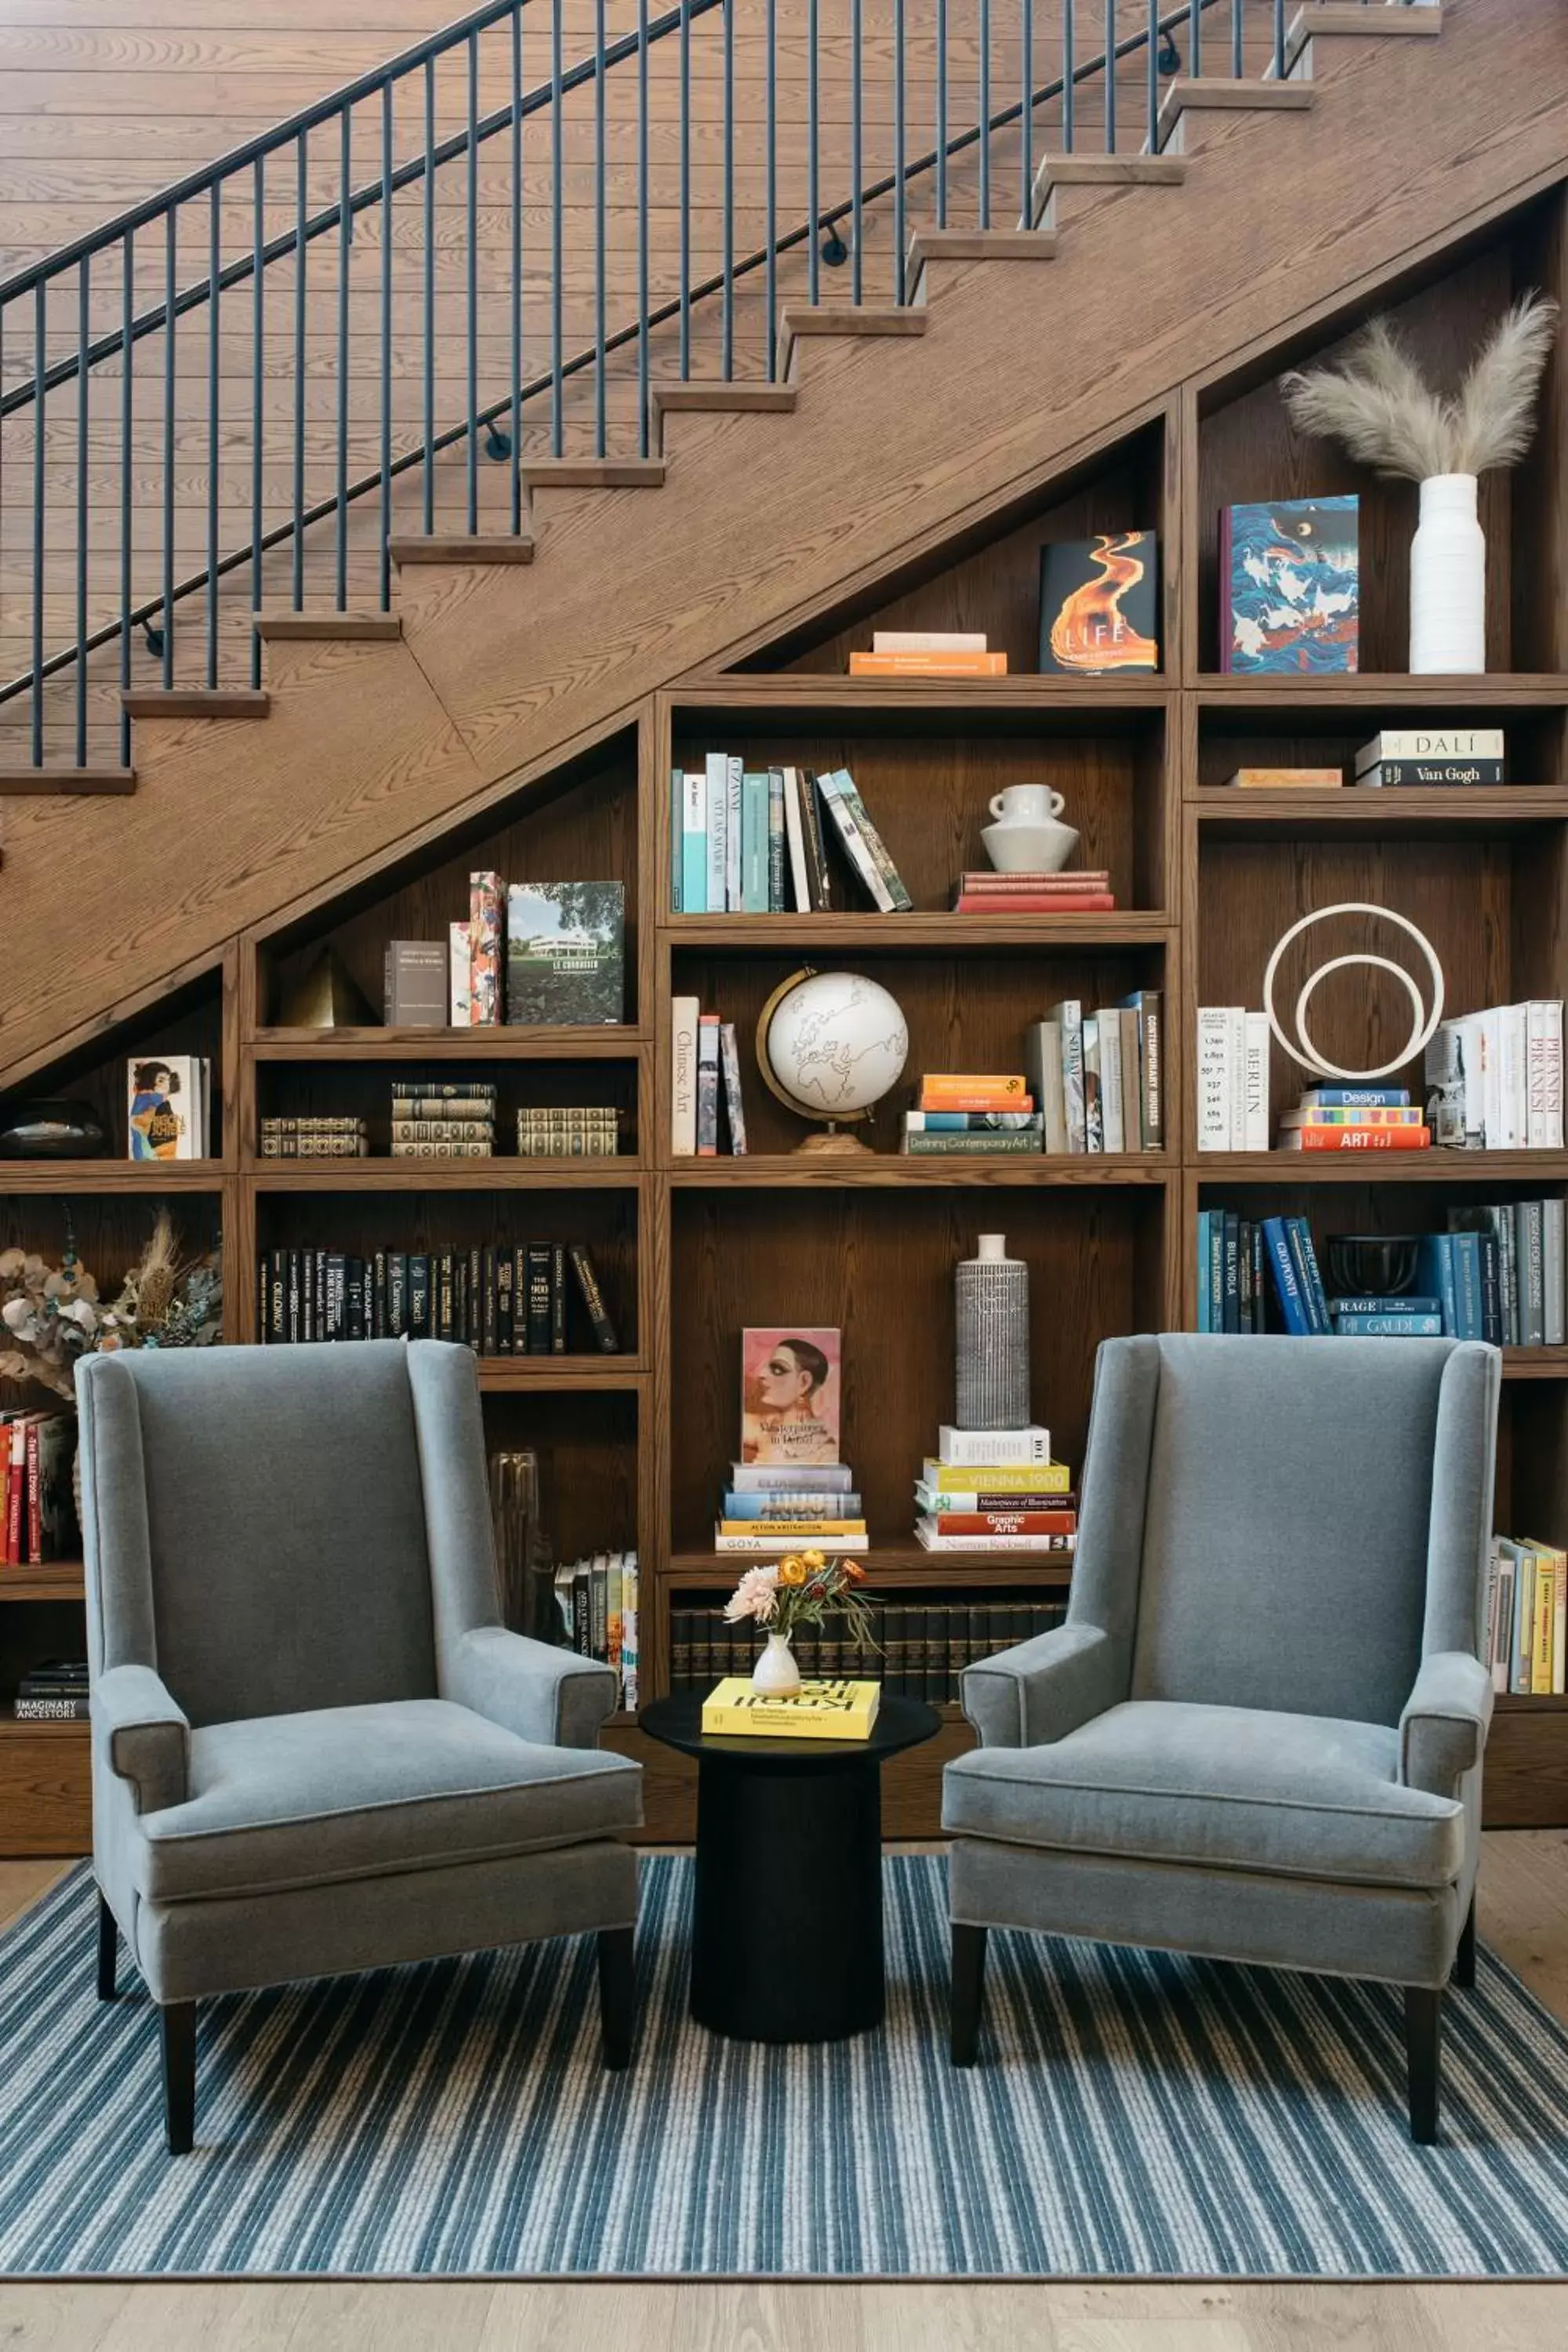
x=1290, y=586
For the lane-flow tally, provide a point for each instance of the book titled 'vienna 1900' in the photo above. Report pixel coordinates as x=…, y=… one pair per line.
x=1098, y=603
x=566, y=954
x=1289, y=585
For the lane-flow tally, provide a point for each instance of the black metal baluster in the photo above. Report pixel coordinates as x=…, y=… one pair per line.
x=83, y=337
x=215, y=270
x=472, y=286
x=1152, y=78
x=1279, y=40
x=127, y=405
x=813, y=165
x=387, y=225
x=600, y=418
x=517, y=271
x=685, y=292
x=856, y=174
x=556, y=420
x=345, y=237
x=984, y=114
x=941, y=113
x=1110, y=73
x=1195, y=39
x=644, y=419
x=429, y=258
x=301, y=201
x=170, y=276
x=1069, y=77
x=1237, y=66
x=900, y=272
x=257, y=389
x=770, y=274
x=727, y=299
x=40, y=371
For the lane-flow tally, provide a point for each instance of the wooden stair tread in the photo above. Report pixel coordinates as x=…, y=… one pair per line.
x=982, y=244
x=1232, y=98
x=197, y=702
x=370, y=628
x=1112, y=171
x=841, y=318
x=709, y=399
x=497, y=548
x=1351, y=17
x=29, y=783
x=593, y=474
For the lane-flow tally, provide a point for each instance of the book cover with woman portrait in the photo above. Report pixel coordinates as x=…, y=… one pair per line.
x=789, y=1394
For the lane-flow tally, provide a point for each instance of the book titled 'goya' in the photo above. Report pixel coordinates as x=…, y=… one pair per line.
x=566, y=953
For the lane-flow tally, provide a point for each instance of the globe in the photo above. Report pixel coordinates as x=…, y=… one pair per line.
x=830, y=1045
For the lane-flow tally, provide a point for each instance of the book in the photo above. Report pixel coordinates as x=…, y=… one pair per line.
x=928, y=664
x=729, y=1066
x=778, y=895
x=844, y=807
x=973, y=1122
x=1098, y=603
x=1002, y=886
x=848, y=794
x=999, y=904
x=927, y=1535
x=1038, y=1474
x=1404, y=1303
x=716, y=830
x=794, y=841
x=707, y=1085
x=1372, y=1115
x=486, y=931
x=1312, y=780
x=564, y=953
x=605, y=1336
x=974, y=1090
x=918, y=1145
x=785, y=1503
x=753, y=1539
x=459, y=960
x=1358, y=1138
x=1388, y=1327
x=1430, y=744
x=168, y=1106
x=1290, y=594
x=993, y=1448
x=754, y=847
x=790, y=1394
x=1431, y=774
x=928, y=641
x=937, y=1501
x=1216, y=1079
x=684, y=1015
x=474, y=1106
x=693, y=841
x=784, y=1478
x=814, y=1529
x=1006, y=1522
x=821, y=1710
x=414, y=985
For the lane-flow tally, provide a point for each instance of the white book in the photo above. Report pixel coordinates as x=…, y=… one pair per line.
x=1235, y=1074
x=1213, y=1062
x=734, y=786
x=459, y=957
x=829, y=788
x=1559, y=1627
x=1511, y=1089
x=1068, y=1019
x=1059, y=1546
x=1431, y=743
x=1543, y=1073
x=1255, y=1082
x=1112, y=1113
x=1043, y=1068
x=1093, y=1101
x=992, y=1449
x=763, y=1541
x=794, y=840
x=928, y=641
x=1472, y=1054
x=693, y=835
x=684, y=1012
x=716, y=824
x=1489, y=1025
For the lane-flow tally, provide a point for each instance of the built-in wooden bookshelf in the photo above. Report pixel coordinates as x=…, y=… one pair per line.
x=1206, y=880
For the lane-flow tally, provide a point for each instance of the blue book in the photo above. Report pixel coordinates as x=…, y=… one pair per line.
x=694, y=842
x=1300, y=1235
x=1355, y=1098
x=1289, y=586
x=1216, y=1270
x=677, y=798
x=1405, y=1303
x=1287, y=1281
x=1260, y=1268
x=1465, y=1251
x=718, y=825
x=754, y=843
x=775, y=1505
x=1232, y=1306
x=1435, y=1273
x=778, y=854
x=1389, y=1327
x=1203, y=1323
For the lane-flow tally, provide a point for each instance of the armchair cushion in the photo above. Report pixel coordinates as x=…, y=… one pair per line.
x=143, y=1734
x=1444, y=1727
x=553, y=1696
x=1225, y=1788
x=291, y=1801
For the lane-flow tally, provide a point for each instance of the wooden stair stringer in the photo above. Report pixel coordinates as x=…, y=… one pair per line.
x=895, y=442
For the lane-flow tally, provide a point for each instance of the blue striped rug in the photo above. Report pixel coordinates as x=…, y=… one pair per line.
x=1134, y=2115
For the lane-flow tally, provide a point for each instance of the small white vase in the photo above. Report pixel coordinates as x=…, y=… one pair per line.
x=775, y=1672
x=1449, y=580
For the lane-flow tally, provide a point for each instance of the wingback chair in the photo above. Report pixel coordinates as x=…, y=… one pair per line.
x=315, y=1747
x=1258, y=1734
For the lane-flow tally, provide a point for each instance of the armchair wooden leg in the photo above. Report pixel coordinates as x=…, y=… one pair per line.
x=1465, y=1958
x=968, y=1986
x=1423, y=2050
x=617, y=1994
x=107, y=1951
x=179, y=2024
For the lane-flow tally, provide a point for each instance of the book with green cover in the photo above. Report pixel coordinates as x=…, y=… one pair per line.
x=566, y=954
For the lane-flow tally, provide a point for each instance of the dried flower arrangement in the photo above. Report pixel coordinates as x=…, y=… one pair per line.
x=50, y=1316
x=803, y=1590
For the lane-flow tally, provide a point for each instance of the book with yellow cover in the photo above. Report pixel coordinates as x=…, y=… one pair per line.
x=769, y=1531
x=1004, y=1478
x=825, y=1710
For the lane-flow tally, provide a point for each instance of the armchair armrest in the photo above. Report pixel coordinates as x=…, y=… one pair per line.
x=144, y=1737
x=551, y=1696
x=1044, y=1688
x=1444, y=1727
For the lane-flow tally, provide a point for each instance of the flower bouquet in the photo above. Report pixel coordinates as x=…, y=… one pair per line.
x=49, y=1316
x=804, y=1589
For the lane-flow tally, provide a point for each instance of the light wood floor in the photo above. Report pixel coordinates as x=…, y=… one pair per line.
x=1524, y=1917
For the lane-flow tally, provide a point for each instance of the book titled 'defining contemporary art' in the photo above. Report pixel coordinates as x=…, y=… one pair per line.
x=789, y=1394
x=566, y=953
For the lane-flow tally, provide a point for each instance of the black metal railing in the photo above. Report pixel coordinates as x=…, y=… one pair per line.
x=489, y=252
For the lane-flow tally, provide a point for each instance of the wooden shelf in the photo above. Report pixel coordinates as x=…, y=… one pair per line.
x=57, y=1580
x=1441, y=1166
x=744, y=934
x=886, y=1565
x=500, y=1374
x=1533, y=1702
x=799, y=693
x=935, y=1169
x=1239, y=811
x=113, y=1176
x=609, y=1042
x=11, y=1730
x=500, y=1174
x=1500, y=692
x=1535, y=1363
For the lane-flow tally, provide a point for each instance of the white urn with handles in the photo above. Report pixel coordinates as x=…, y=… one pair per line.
x=1028, y=836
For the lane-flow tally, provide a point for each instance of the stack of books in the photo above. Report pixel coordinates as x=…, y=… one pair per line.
x=589, y=1132
x=1098, y=1077
x=597, y=1599
x=1494, y=1079
x=996, y=1490
x=1429, y=756
x=54, y=1692
x=1354, y=1118
x=315, y=1139
x=1002, y=895
x=1527, y=1617
x=705, y=1070
x=756, y=841
x=37, y=1513
x=928, y=653
x=969, y=1112
x=778, y=1507
x=511, y=1300
x=453, y=1119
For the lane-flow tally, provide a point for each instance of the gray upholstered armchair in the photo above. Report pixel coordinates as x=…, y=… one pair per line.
x=315, y=1748
x=1258, y=1735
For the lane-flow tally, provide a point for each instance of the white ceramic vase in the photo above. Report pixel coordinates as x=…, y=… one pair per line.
x=1449, y=580
x=775, y=1672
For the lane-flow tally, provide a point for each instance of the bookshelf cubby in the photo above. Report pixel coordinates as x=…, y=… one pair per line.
x=634, y=1447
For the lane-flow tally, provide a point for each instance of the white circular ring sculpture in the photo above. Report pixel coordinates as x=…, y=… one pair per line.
x=1300, y=1046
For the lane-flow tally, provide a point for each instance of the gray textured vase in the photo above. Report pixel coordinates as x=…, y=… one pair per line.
x=993, y=1300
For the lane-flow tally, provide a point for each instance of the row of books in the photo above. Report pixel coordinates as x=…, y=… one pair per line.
x=998, y=896
x=924, y=1646
x=510, y=1300
x=55, y=1691
x=38, y=1513
x=755, y=841
x=1098, y=1076
x=1527, y=1617
x=705, y=1071
x=532, y=953
x=314, y=1138
x=1242, y=1264
x=454, y=1122
x=450, y=1119
x=1494, y=1079
x=597, y=1599
x=995, y=1490
x=1422, y=756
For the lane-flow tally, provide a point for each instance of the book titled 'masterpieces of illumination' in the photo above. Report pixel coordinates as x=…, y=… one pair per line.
x=733, y=1710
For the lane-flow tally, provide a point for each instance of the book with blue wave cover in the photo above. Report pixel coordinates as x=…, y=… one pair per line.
x=1290, y=586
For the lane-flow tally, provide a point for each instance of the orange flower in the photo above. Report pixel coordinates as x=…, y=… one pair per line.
x=792, y=1570
x=853, y=1571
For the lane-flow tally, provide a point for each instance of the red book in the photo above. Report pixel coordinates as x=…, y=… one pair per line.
x=16, y=1495
x=1006, y=1523
x=35, y=1500
x=1036, y=902
x=1358, y=1138
x=975, y=1102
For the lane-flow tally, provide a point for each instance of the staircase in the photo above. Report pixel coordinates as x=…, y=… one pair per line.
x=402, y=374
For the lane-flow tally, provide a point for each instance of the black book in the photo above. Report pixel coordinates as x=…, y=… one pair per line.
x=503, y=1302
x=605, y=1338
x=558, y=1298
x=819, y=881
x=599, y=1610
x=420, y=1302
x=488, y=1344
x=474, y=1298
x=679, y=1648
x=307, y=1266
x=581, y=1612
x=397, y=1293
x=376, y=1303
x=520, y=1301
x=294, y=1307
x=977, y=1643
x=538, y=1299
x=263, y=1294
x=354, y=1299
x=890, y=1625
x=443, y=1301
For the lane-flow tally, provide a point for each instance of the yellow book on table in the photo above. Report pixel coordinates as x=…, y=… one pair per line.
x=835, y=1710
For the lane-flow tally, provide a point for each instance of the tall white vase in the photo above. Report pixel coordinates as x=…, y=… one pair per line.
x=1449, y=580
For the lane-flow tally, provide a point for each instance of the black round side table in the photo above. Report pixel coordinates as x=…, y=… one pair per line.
x=786, y=1940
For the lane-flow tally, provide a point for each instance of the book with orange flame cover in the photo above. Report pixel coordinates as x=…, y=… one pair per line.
x=1099, y=608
